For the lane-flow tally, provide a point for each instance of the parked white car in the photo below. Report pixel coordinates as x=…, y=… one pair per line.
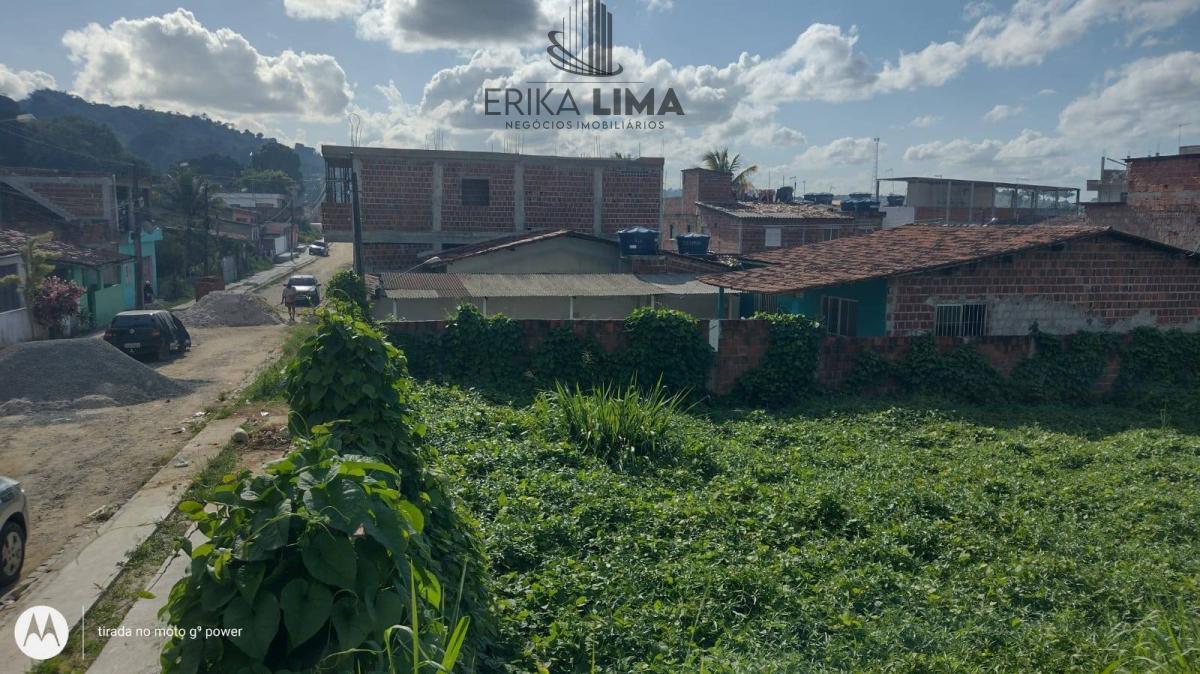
x=14, y=529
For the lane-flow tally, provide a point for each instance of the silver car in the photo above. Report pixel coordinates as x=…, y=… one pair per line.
x=14, y=528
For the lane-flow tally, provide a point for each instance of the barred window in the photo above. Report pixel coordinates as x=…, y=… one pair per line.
x=476, y=192
x=840, y=316
x=337, y=183
x=960, y=320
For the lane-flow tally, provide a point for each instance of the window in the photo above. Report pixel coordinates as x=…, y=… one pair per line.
x=767, y=304
x=476, y=192
x=337, y=183
x=840, y=316
x=774, y=237
x=960, y=320
x=10, y=294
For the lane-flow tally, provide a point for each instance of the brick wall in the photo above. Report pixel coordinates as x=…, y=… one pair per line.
x=1179, y=228
x=524, y=193
x=1165, y=183
x=1097, y=283
x=743, y=236
x=743, y=343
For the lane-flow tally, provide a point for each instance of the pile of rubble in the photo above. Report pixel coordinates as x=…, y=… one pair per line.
x=226, y=309
x=76, y=374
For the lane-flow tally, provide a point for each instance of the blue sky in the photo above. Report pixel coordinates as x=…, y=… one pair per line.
x=1033, y=90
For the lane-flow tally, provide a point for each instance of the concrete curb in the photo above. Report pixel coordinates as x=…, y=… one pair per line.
x=79, y=583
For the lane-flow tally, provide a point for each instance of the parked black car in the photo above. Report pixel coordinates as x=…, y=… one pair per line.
x=154, y=333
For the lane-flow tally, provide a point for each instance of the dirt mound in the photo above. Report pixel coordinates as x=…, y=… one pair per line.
x=69, y=373
x=225, y=309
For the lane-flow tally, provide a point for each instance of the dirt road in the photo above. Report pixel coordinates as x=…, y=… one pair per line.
x=73, y=463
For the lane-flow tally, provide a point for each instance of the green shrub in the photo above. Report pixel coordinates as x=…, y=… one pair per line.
x=665, y=346
x=872, y=373
x=788, y=371
x=620, y=425
x=1060, y=372
x=347, y=377
x=346, y=285
x=482, y=350
x=566, y=358
x=960, y=373
x=311, y=565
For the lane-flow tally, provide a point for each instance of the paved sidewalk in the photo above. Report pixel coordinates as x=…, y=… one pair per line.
x=78, y=585
x=262, y=278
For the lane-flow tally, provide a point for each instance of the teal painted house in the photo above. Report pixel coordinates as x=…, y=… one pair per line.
x=149, y=264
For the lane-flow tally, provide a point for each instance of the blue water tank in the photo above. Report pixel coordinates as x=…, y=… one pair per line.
x=638, y=241
x=692, y=243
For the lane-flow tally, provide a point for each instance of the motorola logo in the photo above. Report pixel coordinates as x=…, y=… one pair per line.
x=41, y=632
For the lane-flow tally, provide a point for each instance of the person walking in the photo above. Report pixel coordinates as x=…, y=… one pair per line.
x=147, y=293
x=289, y=300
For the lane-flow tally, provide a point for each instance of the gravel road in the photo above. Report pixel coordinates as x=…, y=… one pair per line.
x=74, y=463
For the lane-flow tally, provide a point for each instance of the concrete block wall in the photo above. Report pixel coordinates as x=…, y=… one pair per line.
x=1096, y=283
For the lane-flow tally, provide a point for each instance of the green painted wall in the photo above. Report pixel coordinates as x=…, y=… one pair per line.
x=150, y=250
x=108, y=302
x=870, y=295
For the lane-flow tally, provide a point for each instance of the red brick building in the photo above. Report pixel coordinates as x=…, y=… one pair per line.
x=1154, y=197
x=418, y=202
x=709, y=206
x=967, y=281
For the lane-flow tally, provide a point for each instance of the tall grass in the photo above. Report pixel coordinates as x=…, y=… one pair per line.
x=619, y=425
x=1167, y=640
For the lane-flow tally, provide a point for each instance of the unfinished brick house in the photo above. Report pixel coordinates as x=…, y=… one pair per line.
x=737, y=227
x=418, y=202
x=954, y=201
x=1154, y=197
x=969, y=281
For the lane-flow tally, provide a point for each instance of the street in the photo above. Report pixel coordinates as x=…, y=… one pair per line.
x=78, y=466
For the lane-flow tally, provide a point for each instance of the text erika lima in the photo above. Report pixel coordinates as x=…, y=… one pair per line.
x=536, y=102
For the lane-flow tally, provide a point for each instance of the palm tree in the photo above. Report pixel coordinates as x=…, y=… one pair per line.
x=719, y=160
x=186, y=193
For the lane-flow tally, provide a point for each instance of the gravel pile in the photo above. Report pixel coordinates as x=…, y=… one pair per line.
x=76, y=373
x=225, y=309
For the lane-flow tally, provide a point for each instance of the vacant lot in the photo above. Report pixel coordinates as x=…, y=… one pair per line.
x=858, y=537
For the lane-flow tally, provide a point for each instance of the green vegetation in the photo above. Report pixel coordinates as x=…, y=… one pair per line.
x=622, y=426
x=788, y=372
x=846, y=536
x=349, y=554
x=347, y=286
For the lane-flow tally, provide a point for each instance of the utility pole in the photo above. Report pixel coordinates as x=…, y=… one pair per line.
x=136, y=232
x=876, y=172
x=357, y=215
x=207, y=265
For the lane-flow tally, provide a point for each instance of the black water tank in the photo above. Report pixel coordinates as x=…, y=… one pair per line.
x=895, y=200
x=638, y=241
x=785, y=194
x=692, y=243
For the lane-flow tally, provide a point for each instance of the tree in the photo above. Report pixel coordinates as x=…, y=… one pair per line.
x=184, y=193
x=273, y=156
x=76, y=144
x=271, y=181
x=37, y=267
x=216, y=167
x=719, y=160
x=12, y=144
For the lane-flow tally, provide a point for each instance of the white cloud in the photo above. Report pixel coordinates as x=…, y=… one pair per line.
x=841, y=152
x=18, y=84
x=172, y=61
x=323, y=9
x=925, y=121
x=659, y=5
x=1026, y=34
x=1148, y=97
x=1031, y=156
x=1047, y=92
x=1002, y=112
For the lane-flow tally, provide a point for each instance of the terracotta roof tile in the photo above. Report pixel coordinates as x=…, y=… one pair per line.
x=60, y=251
x=891, y=252
x=778, y=210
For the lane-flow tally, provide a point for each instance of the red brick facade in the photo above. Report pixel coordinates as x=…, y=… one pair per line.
x=744, y=236
x=1094, y=283
x=412, y=201
x=1170, y=183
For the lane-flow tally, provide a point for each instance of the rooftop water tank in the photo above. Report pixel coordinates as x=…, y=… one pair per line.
x=638, y=241
x=692, y=243
x=785, y=194
x=895, y=200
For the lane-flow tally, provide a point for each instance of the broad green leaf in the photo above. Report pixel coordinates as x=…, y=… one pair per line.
x=351, y=624
x=191, y=507
x=256, y=623
x=306, y=609
x=330, y=559
x=247, y=578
